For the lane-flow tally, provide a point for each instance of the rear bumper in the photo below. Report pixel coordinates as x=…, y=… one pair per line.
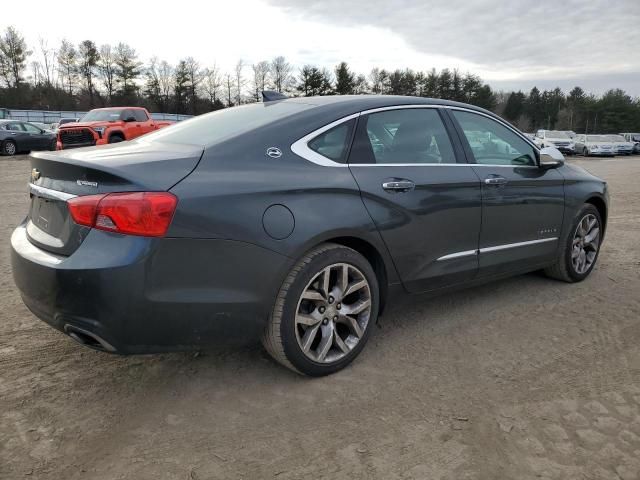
x=141, y=295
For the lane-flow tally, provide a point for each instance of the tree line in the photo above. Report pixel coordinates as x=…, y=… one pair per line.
x=85, y=76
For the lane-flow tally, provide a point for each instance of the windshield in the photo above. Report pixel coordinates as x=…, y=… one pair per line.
x=107, y=115
x=636, y=137
x=223, y=124
x=616, y=138
x=597, y=138
x=556, y=134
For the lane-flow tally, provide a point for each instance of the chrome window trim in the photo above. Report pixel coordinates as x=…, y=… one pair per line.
x=49, y=193
x=300, y=147
x=495, y=248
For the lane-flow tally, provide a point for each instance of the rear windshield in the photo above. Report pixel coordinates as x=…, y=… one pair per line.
x=110, y=114
x=223, y=124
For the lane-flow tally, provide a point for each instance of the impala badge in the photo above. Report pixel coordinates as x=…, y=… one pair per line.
x=35, y=174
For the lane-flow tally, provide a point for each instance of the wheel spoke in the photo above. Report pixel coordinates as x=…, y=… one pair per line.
x=344, y=279
x=354, y=287
x=325, y=343
x=326, y=277
x=337, y=340
x=357, y=307
x=592, y=236
x=314, y=295
x=353, y=325
x=309, y=337
x=306, y=319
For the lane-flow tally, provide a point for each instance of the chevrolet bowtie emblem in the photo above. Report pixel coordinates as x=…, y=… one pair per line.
x=35, y=174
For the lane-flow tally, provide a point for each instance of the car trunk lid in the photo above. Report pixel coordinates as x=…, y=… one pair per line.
x=57, y=177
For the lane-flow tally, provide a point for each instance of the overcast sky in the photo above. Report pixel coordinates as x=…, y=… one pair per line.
x=510, y=44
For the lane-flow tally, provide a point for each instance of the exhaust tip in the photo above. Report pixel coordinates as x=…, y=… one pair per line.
x=88, y=339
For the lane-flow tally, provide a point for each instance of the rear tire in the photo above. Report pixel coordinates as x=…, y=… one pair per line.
x=578, y=257
x=321, y=321
x=116, y=138
x=585, y=152
x=9, y=148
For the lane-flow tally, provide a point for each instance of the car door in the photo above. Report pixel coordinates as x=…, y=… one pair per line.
x=522, y=204
x=38, y=139
x=18, y=134
x=424, y=202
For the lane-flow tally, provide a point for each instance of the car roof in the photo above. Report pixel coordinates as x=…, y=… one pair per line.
x=365, y=102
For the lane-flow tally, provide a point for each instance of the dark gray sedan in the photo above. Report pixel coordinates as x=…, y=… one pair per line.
x=17, y=136
x=295, y=220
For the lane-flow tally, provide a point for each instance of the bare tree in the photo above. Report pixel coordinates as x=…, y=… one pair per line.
x=48, y=62
x=260, y=78
x=228, y=84
x=67, y=65
x=89, y=56
x=281, y=73
x=107, y=70
x=166, y=82
x=194, y=74
x=211, y=84
x=239, y=81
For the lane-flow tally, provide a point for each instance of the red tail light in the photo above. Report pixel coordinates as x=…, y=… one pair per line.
x=147, y=214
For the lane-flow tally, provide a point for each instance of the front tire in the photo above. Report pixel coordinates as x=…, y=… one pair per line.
x=580, y=248
x=324, y=311
x=585, y=152
x=116, y=138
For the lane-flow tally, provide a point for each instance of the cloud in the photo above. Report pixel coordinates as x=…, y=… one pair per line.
x=506, y=41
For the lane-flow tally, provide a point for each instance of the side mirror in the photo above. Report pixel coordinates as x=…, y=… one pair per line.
x=550, y=157
x=130, y=119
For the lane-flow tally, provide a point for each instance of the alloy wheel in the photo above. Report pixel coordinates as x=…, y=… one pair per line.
x=333, y=313
x=586, y=242
x=10, y=148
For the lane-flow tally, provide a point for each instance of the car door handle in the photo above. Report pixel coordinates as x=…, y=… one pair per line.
x=401, y=185
x=495, y=180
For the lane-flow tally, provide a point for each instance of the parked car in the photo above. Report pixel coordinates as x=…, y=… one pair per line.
x=17, y=137
x=64, y=121
x=246, y=222
x=595, y=145
x=108, y=125
x=556, y=138
x=621, y=146
x=635, y=138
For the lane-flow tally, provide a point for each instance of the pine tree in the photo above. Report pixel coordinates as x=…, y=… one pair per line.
x=345, y=79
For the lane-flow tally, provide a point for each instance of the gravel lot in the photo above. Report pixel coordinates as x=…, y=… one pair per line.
x=523, y=379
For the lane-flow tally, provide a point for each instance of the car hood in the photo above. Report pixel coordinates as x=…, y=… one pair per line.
x=67, y=126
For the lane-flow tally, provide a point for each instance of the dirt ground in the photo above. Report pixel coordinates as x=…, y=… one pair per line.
x=527, y=378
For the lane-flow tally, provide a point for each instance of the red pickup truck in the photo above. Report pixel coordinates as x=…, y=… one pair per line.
x=107, y=125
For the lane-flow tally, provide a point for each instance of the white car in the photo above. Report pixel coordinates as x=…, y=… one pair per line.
x=555, y=138
x=622, y=146
x=595, y=145
x=634, y=138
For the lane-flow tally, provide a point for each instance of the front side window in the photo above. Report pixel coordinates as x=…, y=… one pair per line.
x=334, y=142
x=31, y=128
x=140, y=115
x=492, y=143
x=412, y=136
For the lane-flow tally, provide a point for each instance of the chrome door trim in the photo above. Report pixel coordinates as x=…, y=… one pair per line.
x=516, y=245
x=451, y=256
x=50, y=194
x=496, y=248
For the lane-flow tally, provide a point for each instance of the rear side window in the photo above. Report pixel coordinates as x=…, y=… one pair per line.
x=492, y=143
x=140, y=115
x=410, y=136
x=221, y=125
x=16, y=127
x=333, y=143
